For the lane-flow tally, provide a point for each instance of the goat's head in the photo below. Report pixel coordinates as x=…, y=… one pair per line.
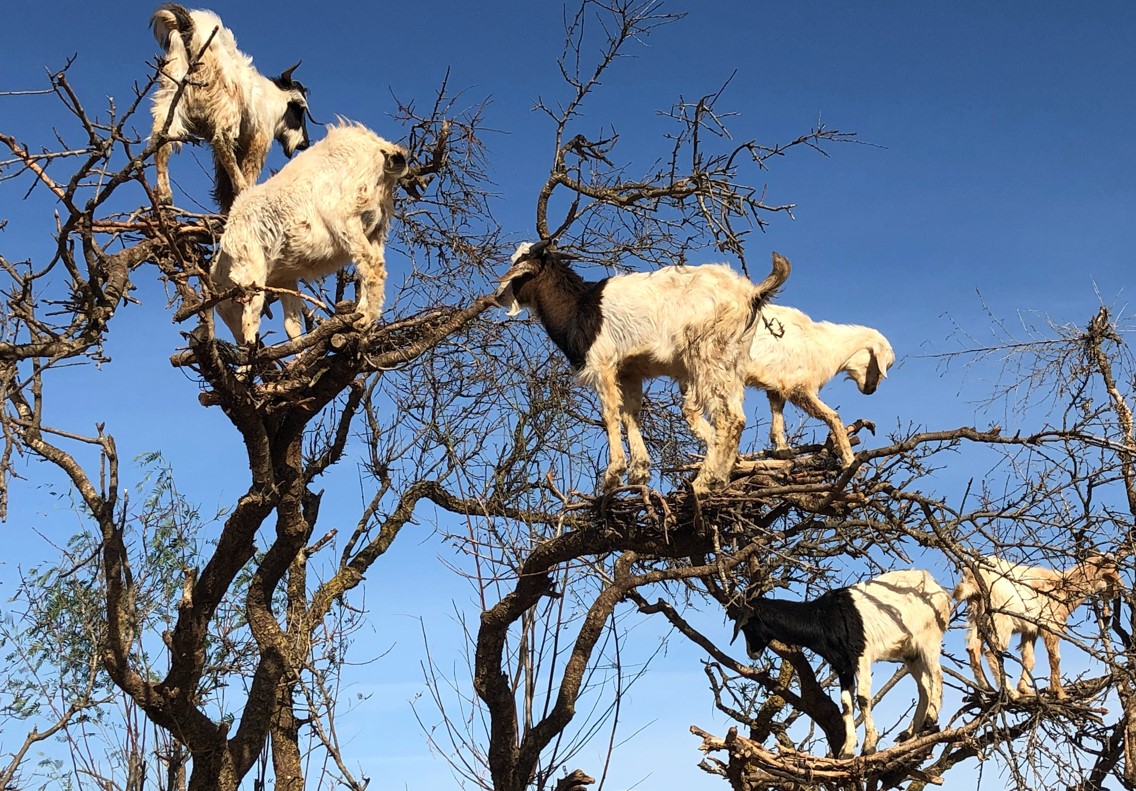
x=868, y=366
x=526, y=262
x=748, y=621
x=1102, y=572
x=292, y=127
x=395, y=160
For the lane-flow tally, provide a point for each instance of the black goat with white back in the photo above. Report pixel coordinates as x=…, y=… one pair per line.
x=896, y=617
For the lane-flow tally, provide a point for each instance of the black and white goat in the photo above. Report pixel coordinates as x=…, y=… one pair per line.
x=792, y=357
x=226, y=101
x=899, y=616
x=1027, y=600
x=327, y=207
x=690, y=323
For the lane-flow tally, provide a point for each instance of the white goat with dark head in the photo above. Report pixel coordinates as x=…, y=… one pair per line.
x=792, y=357
x=327, y=207
x=690, y=323
x=226, y=101
x=1029, y=601
x=899, y=616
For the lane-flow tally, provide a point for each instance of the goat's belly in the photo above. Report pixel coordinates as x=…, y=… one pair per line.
x=294, y=267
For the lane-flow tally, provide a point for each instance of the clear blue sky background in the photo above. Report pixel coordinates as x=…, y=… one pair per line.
x=1001, y=172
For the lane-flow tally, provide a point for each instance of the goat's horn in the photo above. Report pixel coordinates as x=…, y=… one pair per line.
x=286, y=75
x=537, y=248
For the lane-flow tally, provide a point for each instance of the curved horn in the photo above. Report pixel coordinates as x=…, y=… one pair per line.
x=286, y=75
x=536, y=248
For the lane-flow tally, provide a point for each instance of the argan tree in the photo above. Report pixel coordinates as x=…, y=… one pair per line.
x=446, y=412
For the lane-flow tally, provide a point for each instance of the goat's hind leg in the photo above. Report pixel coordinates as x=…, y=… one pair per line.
x=631, y=389
x=610, y=396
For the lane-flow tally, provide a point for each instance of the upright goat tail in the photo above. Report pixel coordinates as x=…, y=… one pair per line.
x=168, y=19
x=767, y=289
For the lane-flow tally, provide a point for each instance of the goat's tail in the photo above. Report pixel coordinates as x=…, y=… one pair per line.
x=168, y=19
x=767, y=289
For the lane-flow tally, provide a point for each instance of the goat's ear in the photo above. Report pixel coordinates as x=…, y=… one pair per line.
x=506, y=296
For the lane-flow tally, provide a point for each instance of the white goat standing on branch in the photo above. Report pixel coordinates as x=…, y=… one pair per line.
x=792, y=357
x=224, y=100
x=329, y=206
x=1029, y=601
x=690, y=323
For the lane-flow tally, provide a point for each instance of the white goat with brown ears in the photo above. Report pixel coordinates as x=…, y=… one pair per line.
x=224, y=100
x=1029, y=601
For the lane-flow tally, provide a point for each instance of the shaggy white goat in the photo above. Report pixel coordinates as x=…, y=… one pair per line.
x=1027, y=600
x=225, y=101
x=792, y=357
x=691, y=323
x=899, y=616
x=330, y=205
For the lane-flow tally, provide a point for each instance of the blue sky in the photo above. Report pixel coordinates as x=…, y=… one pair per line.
x=998, y=169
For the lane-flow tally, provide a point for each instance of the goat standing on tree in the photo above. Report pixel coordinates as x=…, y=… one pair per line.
x=226, y=101
x=327, y=207
x=1027, y=600
x=792, y=357
x=690, y=323
x=897, y=617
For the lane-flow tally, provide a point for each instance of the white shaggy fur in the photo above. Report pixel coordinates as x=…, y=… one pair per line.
x=1027, y=600
x=792, y=357
x=330, y=205
x=690, y=323
x=225, y=101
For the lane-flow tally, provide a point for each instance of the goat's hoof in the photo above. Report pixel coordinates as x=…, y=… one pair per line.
x=638, y=475
x=612, y=480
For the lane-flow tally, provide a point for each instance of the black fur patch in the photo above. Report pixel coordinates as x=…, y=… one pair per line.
x=569, y=307
x=829, y=625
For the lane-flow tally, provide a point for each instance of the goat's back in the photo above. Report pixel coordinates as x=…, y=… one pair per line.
x=905, y=613
x=298, y=216
x=791, y=352
x=657, y=321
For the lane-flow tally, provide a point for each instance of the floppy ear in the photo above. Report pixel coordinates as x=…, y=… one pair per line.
x=883, y=357
x=506, y=296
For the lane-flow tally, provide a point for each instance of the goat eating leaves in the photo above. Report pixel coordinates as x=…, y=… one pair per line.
x=897, y=617
x=690, y=323
x=327, y=207
x=223, y=99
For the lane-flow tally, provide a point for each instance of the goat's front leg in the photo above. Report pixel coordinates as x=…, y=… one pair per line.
x=631, y=390
x=818, y=409
x=608, y=389
x=1053, y=648
x=293, y=311
x=849, y=748
x=1025, y=683
x=164, y=195
x=974, y=651
x=777, y=421
x=371, y=265
x=864, y=700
